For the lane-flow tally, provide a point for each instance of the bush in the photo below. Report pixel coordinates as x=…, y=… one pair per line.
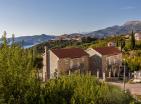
x=83, y=89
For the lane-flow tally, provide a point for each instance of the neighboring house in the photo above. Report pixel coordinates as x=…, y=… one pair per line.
x=64, y=61
x=111, y=44
x=137, y=76
x=137, y=36
x=105, y=61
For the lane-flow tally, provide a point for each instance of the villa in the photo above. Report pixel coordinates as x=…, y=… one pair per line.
x=64, y=61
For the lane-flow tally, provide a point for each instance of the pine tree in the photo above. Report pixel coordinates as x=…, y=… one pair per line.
x=132, y=41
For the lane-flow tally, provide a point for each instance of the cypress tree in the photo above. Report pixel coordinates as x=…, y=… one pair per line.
x=122, y=44
x=132, y=41
x=4, y=38
x=117, y=42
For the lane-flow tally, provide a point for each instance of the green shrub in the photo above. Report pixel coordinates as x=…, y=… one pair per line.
x=83, y=89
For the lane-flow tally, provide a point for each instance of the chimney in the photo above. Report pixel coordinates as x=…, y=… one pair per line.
x=45, y=65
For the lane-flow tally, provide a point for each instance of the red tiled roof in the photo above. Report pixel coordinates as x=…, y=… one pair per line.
x=108, y=50
x=69, y=52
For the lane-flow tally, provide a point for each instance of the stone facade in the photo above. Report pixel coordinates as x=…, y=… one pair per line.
x=53, y=66
x=95, y=61
x=105, y=65
x=112, y=64
x=73, y=65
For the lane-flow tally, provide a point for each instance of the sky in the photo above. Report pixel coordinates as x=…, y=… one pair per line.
x=57, y=17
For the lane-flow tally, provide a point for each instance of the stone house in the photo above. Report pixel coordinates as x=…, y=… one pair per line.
x=64, y=61
x=105, y=61
x=111, y=44
x=138, y=36
x=137, y=76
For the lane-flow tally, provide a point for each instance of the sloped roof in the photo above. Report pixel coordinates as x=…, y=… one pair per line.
x=69, y=52
x=107, y=50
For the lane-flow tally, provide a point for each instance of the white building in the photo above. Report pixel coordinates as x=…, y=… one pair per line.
x=138, y=36
x=137, y=76
x=111, y=44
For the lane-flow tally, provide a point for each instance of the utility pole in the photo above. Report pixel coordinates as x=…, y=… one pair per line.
x=124, y=75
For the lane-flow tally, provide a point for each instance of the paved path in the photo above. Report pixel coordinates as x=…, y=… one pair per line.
x=135, y=89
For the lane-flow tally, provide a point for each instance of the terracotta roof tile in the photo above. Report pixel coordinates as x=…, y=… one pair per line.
x=69, y=52
x=108, y=50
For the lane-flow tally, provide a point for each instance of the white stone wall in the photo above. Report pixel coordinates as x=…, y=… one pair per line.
x=53, y=64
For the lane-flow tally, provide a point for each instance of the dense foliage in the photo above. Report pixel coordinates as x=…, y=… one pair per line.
x=83, y=89
x=133, y=59
x=17, y=75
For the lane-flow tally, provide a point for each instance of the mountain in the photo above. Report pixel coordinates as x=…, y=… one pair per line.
x=29, y=41
x=126, y=28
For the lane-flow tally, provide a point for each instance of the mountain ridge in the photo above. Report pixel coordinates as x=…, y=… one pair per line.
x=126, y=28
x=29, y=41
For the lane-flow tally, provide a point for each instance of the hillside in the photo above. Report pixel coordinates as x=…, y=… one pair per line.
x=126, y=28
x=28, y=41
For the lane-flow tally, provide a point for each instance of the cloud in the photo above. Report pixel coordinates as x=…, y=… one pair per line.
x=128, y=8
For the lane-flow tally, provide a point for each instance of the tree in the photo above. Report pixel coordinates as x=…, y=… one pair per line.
x=17, y=75
x=13, y=38
x=70, y=90
x=117, y=43
x=4, y=38
x=122, y=44
x=132, y=41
